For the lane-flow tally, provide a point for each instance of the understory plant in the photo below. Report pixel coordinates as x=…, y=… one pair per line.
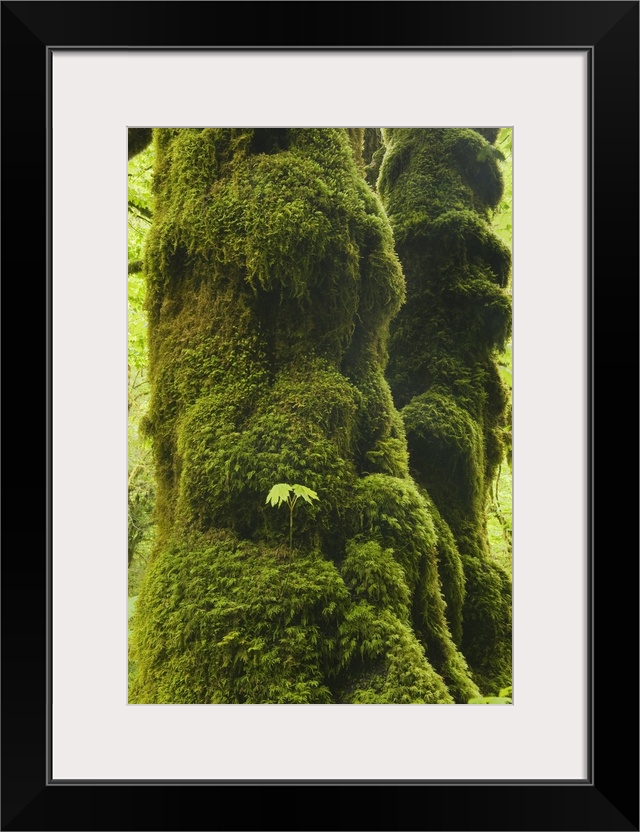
x=504, y=697
x=282, y=492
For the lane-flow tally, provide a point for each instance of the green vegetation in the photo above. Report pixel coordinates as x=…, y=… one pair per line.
x=141, y=483
x=439, y=188
x=502, y=216
x=272, y=278
x=282, y=492
x=503, y=698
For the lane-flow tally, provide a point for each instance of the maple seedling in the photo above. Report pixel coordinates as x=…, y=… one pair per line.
x=282, y=492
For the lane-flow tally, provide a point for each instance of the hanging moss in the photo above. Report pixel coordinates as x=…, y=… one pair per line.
x=386, y=662
x=394, y=513
x=372, y=154
x=438, y=187
x=450, y=571
x=272, y=279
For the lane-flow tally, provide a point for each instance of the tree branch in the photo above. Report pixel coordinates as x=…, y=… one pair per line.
x=144, y=212
x=138, y=139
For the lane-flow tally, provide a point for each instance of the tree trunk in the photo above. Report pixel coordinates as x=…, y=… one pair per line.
x=438, y=187
x=272, y=279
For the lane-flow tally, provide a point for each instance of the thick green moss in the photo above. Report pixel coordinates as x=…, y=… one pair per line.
x=272, y=278
x=438, y=187
x=221, y=620
x=486, y=641
x=386, y=662
x=450, y=570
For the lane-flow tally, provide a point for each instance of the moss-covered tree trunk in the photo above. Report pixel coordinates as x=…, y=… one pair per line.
x=272, y=279
x=438, y=187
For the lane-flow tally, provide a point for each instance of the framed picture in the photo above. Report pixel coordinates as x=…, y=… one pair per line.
x=564, y=76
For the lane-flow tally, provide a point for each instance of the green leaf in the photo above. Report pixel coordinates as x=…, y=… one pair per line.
x=506, y=691
x=132, y=605
x=279, y=494
x=306, y=493
x=490, y=700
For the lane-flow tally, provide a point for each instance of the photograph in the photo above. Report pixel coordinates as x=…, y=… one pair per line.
x=334, y=380
x=319, y=377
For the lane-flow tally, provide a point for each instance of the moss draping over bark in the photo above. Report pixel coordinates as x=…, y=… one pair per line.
x=272, y=279
x=438, y=187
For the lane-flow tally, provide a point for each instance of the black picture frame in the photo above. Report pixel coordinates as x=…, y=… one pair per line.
x=608, y=799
